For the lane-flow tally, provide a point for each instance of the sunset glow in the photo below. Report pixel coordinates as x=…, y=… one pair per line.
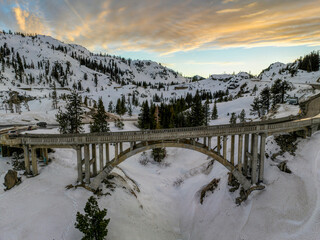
x=193, y=37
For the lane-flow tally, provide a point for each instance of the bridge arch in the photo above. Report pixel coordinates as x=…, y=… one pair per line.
x=198, y=147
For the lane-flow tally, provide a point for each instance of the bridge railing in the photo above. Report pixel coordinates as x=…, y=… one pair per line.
x=173, y=133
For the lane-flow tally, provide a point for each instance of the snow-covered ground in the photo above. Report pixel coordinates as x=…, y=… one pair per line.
x=288, y=208
x=156, y=201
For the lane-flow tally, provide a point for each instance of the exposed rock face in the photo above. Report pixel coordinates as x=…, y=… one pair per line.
x=11, y=179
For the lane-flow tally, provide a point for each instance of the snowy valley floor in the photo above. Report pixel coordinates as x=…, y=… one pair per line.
x=289, y=207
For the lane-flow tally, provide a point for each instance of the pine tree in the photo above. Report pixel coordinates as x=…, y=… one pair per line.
x=214, y=115
x=196, y=117
x=265, y=99
x=233, y=118
x=100, y=123
x=71, y=120
x=256, y=105
x=144, y=116
x=206, y=110
x=54, y=96
x=93, y=223
x=110, y=107
x=242, y=116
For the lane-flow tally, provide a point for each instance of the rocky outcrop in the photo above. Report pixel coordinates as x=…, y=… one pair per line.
x=11, y=179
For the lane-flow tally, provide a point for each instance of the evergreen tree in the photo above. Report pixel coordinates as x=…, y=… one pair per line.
x=233, y=118
x=206, y=110
x=214, y=115
x=71, y=120
x=256, y=105
x=93, y=223
x=242, y=116
x=196, y=117
x=54, y=96
x=100, y=123
x=265, y=99
x=110, y=107
x=130, y=109
x=159, y=154
x=278, y=90
x=144, y=116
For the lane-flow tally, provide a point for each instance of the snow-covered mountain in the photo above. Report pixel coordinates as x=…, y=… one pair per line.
x=150, y=200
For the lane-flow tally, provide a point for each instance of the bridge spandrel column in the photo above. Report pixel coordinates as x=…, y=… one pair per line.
x=45, y=155
x=101, y=157
x=79, y=163
x=131, y=146
x=121, y=147
x=262, y=153
x=225, y=147
x=219, y=145
x=232, y=150
x=87, y=163
x=116, y=151
x=240, y=141
x=254, y=159
x=107, y=153
x=209, y=143
x=34, y=161
x=94, y=159
x=26, y=158
x=245, y=156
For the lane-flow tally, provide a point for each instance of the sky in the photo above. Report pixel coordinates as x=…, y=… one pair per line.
x=193, y=37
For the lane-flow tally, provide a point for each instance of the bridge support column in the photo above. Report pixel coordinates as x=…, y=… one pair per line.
x=262, y=153
x=254, y=160
x=34, y=161
x=45, y=156
x=87, y=163
x=94, y=160
x=107, y=153
x=205, y=141
x=121, y=147
x=245, y=159
x=224, y=147
x=232, y=150
x=240, y=140
x=100, y=157
x=219, y=145
x=116, y=151
x=131, y=146
x=79, y=163
x=26, y=158
x=209, y=143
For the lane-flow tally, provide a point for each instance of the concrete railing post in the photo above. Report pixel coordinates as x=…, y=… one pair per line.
x=26, y=158
x=87, y=163
x=79, y=163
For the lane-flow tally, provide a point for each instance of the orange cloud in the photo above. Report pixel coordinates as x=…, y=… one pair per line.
x=164, y=27
x=28, y=22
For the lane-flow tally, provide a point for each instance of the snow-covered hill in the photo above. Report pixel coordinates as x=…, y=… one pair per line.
x=150, y=201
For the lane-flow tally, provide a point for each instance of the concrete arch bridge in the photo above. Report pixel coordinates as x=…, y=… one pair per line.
x=98, y=154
